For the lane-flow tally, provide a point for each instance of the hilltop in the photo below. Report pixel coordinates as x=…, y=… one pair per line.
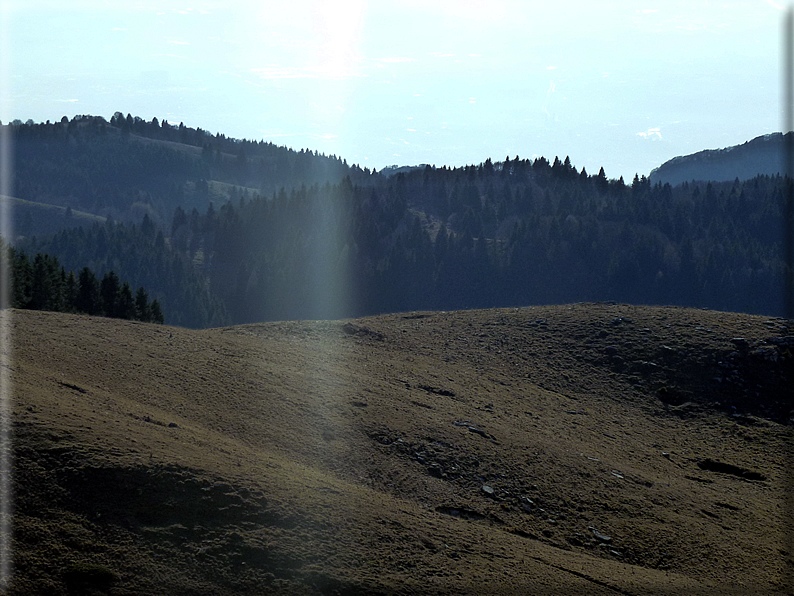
x=126, y=168
x=761, y=156
x=577, y=449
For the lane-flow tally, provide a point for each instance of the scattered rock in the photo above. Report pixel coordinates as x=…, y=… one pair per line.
x=475, y=430
x=361, y=330
x=350, y=328
x=783, y=342
x=600, y=536
x=478, y=431
x=648, y=366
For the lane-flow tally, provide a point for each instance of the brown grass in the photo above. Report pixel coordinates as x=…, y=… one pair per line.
x=353, y=457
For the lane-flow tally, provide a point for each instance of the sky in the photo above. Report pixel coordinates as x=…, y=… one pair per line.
x=619, y=84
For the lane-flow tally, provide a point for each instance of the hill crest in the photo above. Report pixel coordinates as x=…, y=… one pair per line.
x=761, y=156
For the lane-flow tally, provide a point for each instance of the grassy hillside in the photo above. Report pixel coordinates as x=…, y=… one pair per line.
x=582, y=449
x=30, y=218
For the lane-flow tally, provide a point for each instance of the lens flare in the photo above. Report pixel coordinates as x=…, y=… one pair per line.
x=6, y=172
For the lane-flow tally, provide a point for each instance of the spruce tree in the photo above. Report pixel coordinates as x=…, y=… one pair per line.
x=22, y=279
x=70, y=290
x=109, y=293
x=125, y=303
x=88, y=299
x=157, y=314
x=143, y=310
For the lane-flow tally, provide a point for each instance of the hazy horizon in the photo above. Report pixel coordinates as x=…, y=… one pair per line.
x=623, y=85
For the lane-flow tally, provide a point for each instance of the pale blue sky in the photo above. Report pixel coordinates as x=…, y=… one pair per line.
x=620, y=84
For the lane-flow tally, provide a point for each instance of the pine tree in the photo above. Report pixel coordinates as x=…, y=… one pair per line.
x=143, y=310
x=45, y=290
x=22, y=279
x=125, y=303
x=88, y=299
x=157, y=313
x=147, y=227
x=70, y=290
x=109, y=293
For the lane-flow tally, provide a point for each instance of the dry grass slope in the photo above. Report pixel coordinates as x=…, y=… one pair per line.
x=582, y=449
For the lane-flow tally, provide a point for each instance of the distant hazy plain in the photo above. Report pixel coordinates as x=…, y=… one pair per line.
x=621, y=84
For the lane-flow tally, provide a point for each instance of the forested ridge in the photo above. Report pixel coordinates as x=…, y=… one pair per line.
x=140, y=254
x=513, y=233
x=339, y=241
x=764, y=155
x=127, y=167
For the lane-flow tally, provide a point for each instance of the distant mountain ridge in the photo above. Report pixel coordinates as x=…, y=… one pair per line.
x=262, y=233
x=129, y=167
x=393, y=170
x=761, y=156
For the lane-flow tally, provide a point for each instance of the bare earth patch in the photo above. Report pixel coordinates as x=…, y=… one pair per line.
x=578, y=449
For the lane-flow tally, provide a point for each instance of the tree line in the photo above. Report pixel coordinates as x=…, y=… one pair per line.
x=127, y=166
x=513, y=233
x=140, y=254
x=509, y=233
x=42, y=283
x=498, y=234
